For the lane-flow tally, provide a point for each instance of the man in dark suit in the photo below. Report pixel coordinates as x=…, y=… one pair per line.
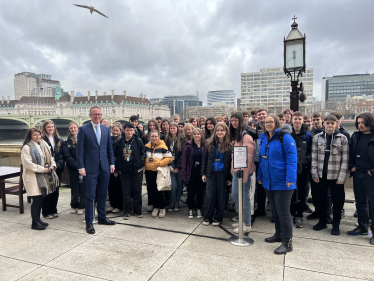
x=95, y=162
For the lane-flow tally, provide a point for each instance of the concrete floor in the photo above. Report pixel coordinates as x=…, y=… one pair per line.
x=174, y=248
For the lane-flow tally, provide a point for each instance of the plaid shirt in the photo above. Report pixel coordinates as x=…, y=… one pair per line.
x=338, y=161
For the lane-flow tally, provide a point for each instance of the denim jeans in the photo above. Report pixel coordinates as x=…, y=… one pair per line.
x=246, y=197
x=176, y=186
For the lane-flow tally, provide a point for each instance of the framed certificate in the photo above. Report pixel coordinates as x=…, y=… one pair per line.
x=240, y=157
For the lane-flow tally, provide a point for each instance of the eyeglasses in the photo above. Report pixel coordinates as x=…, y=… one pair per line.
x=269, y=122
x=97, y=114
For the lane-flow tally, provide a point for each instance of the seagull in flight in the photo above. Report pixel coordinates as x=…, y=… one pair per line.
x=92, y=9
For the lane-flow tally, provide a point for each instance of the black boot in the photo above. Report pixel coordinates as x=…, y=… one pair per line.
x=40, y=209
x=275, y=238
x=284, y=248
x=35, y=211
x=335, y=229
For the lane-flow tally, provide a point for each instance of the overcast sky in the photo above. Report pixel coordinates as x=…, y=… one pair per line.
x=160, y=47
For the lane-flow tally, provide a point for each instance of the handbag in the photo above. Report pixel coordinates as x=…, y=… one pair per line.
x=163, y=179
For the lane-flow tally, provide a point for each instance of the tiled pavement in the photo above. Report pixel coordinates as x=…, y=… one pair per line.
x=173, y=248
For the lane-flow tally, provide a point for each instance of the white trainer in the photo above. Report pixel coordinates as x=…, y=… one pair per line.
x=162, y=213
x=149, y=208
x=80, y=212
x=116, y=210
x=73, y=211
x=199, y=214
x=246, y=228
x=190, y=214
x=155, y=212
x=110, y=209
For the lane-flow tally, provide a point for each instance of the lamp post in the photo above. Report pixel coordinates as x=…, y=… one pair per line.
x=294, y=64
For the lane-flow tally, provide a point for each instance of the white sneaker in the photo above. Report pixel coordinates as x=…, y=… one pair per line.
x=235, y=225
x=199, y=214
x=155, y=212
x=235, y=219
x=116, y=210
x=216, y=223
x=162, y=213
x=110, y=209
x=73, y=211
x=150, y=208
x=190, y=214
x=246, y=228
x=80, y=212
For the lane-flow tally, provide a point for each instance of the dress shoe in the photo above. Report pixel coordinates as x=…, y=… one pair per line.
x=37, y=226
x=335, y=230
x=273, y=239
x=90, y=229
x=106, y=221
x=307, y=209
x=284, y=248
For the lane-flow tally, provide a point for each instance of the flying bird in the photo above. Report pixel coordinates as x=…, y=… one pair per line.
x=92, y=9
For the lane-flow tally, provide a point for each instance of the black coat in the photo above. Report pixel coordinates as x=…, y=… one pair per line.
x=70, y=154
x=57, y=153
x=177, y=155
x=303, y=142
x=353, y=150
x=138, y=154
x=207, y=162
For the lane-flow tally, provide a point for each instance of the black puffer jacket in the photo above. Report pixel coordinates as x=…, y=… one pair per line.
x=303, y=142
x=69, y=151
x=177, y=155
x=353, y=150
x=57, y=153
x=207, y=162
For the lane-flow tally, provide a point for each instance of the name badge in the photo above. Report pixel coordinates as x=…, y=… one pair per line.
x=358, y=156
x=264, y=157
x=217, y=160
x=327, y=150
x=150, y=159
x=197, y=163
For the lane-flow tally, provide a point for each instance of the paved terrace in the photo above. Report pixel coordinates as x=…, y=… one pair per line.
x=173, y=248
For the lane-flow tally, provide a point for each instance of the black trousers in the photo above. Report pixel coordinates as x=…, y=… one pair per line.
x=260, y=194
x=78, y=190
x=280, y=201
x=50, y=203
x=156, y=197
x=195, y=189
x=363, y=187
x=132, y=187
x=337, y=197
x=298, y=197
x=36, y=207
x=115, y=192
x=215, y=197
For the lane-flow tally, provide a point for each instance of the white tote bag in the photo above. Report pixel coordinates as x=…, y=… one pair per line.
x=163, y=178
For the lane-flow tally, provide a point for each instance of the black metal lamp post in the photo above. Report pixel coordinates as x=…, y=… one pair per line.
x=294, y=63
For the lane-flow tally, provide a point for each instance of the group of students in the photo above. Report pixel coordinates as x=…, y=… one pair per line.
x=287, y=153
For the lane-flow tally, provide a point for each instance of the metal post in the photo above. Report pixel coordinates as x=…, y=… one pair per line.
x=94, y=218
x=241, y=240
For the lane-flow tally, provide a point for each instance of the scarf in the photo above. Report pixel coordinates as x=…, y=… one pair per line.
x=47, y=182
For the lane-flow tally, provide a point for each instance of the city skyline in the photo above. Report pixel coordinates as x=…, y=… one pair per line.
x=183, y=47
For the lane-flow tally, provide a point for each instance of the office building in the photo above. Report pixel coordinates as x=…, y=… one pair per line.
x=270, y=88
x=217, y=109
x=34, y=85
x=337, y=88
x=177, y=103
x=226, y=96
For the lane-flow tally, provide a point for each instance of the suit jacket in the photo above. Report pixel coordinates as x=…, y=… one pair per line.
x=91, y=155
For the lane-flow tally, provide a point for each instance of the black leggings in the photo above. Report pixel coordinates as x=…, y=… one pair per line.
x=195, y=188
x=36, y=207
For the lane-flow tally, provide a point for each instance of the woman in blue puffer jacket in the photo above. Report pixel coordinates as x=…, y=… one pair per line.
x=277, y=173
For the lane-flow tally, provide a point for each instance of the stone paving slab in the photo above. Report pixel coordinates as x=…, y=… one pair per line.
x=295, y=274
x=333, y=258
x=114, y=259
x=7, y=227
x=12, y=269
x=39, y=246
x=48, y=273
x=187, y=265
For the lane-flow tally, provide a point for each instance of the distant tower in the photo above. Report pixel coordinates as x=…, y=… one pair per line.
x=197, y=95
x=58, y=92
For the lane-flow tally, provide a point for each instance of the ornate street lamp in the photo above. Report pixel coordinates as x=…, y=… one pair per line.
x=294, y=63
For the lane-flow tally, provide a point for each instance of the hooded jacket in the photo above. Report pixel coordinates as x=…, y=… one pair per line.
x=280, y=163
x=187, y=160
x=338, y=160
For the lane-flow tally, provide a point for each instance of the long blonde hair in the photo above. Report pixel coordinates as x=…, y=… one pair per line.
x=179, y=141
x=73, y=138
x=188, y=125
